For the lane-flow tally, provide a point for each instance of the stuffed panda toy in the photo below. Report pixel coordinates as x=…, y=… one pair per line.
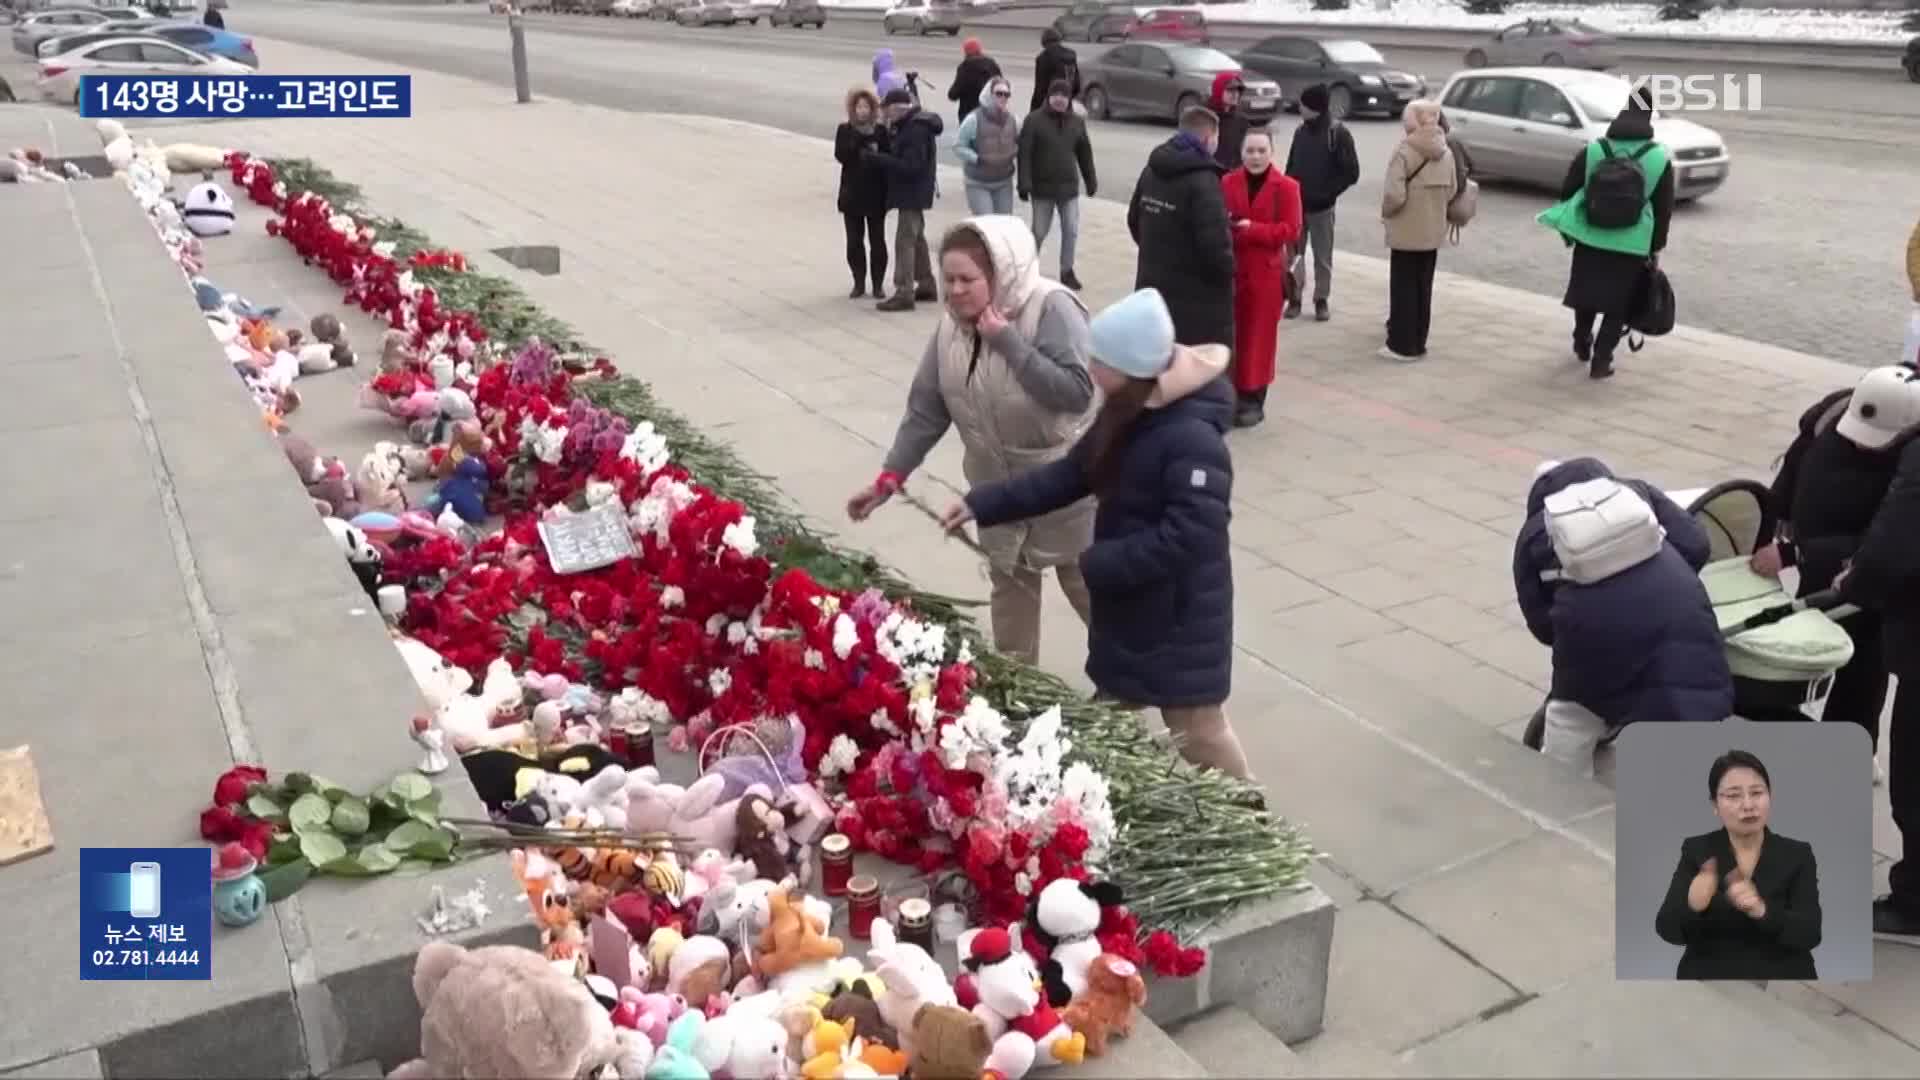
x=208, y=210
x=361, y=555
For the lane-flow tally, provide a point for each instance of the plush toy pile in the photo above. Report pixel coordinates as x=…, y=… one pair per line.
x=809, y=708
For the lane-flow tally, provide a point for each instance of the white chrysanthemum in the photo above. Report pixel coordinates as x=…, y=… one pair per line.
x=673, y=596
x=653, y=514
x=842, y=755
x=979, y=729
x=636, y=706
x=647, y=447
x=739, y=536
x=719, y=680
x=845, y=635
x=384, y=249
x=922, y=712
x=883, y=723
x=545, y=443
x=736, y=633
x=965, y=656
x=1090, y=791
x=814, y=659
x=600, y=493
x=716, y=623
x=341, y=223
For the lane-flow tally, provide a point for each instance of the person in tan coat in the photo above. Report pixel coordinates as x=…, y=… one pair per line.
x=1007, y=368
x=1420, y=182
x=1913, y=262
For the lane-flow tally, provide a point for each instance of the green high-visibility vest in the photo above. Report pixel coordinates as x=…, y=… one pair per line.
x=1569, y=217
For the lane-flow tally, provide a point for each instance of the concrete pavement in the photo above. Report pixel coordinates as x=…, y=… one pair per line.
x=1383, y=676
x=1752, y=259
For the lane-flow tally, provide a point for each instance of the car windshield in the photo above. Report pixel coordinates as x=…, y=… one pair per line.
x=1199, y=58
x=1352, y=52
x=1600, y=99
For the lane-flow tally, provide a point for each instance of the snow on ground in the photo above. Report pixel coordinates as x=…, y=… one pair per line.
x=1791, y=23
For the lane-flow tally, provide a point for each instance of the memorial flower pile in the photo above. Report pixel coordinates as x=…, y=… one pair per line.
x=937, y=752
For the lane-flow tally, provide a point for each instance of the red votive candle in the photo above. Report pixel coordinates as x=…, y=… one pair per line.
x=640, y=746
x=836, y=864
x=863, y=906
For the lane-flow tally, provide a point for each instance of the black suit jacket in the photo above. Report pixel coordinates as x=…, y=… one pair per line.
x=1723, y=942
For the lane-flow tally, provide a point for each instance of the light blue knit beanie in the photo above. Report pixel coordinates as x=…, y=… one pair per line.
x=1135, y=335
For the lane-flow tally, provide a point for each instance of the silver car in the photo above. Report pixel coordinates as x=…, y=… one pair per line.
x=1526, y=125
x=706, y=13
x=29, y=32
x=1549, y=42
x=923, y=17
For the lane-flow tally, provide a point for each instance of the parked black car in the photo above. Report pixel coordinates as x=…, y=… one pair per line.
x=1358, y=78
x=1912, y=60
x=1096, y=20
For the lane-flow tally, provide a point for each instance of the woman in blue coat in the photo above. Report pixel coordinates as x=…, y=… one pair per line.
x=1159, y=571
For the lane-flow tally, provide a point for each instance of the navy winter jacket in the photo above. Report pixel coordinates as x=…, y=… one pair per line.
x=1641, y=645
x=909, y=161
x=1159, y=571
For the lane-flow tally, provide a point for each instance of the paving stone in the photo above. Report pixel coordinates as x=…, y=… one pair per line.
x=1333, y=621
x=1444, y=619
x=1377, y=587
x=1370, y=993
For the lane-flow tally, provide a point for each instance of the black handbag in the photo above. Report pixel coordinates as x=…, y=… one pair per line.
x=1653, y=312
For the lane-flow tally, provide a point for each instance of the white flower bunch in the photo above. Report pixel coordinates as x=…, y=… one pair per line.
x=646, y=447
x=654, y=512
x=739, y=536
x=1088, y=790
x=845, y=635
x=842, y=755
x=635, y=706
x=917, y=648
x=979, y=729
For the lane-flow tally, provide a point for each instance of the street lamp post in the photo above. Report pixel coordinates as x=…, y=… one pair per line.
x=517, y=30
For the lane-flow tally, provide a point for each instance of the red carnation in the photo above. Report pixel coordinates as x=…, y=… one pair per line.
x=220, y=825
x=233, y=784
x=1072, y=840
x=256, y=836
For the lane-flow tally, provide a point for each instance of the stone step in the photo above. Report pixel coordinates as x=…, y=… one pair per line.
x=1335, y=1053
x=1229, y=1042
x=1149, y=1051
x=365, y=1070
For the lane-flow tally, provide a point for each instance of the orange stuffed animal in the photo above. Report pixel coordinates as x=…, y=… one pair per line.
x=1114, y=990
x=791, y=939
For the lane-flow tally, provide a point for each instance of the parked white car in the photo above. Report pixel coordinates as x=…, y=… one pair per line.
x=1526, y=124
x=60, y=75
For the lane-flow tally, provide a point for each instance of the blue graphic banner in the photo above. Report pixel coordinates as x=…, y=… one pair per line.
x=131, y=97
x=146, y=913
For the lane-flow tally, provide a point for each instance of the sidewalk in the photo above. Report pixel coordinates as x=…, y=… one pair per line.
x=1384, y=674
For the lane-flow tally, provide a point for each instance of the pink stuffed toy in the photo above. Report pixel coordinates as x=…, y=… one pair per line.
x=649, y=1014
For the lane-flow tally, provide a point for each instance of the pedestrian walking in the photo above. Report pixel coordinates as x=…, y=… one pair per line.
x=1323, y=159
x=910, y=167
x=1159, y=572
x=1421, y=181
x=886, y=77
x=1007, y=370
x=1910, y=351
x=988, y=146
x=1885, y=577
x=213, y=17
x=1615, y=206
x=1830, y=484
x=1055, y=157
x=863, y=190
x=1056, y=62
x=1263, y=205
x=1224, y=99
x=971, y=77
x=1178, y=218
x=1640, y=644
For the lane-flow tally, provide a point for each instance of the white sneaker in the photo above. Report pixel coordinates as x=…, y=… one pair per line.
x=1879, y=774
x=1388, y=354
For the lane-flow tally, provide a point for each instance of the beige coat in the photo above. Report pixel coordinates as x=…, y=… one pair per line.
x=1419, y=185
x=1003, y=431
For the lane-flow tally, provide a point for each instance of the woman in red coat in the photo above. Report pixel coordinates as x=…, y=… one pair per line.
x=1263, y=203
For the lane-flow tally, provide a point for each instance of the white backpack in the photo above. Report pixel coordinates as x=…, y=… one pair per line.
x=1598, y=528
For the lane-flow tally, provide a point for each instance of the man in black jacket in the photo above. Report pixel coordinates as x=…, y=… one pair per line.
x=1324, y=162
x=910, y=165
x=1055, y=155
x=1885, y=577
x=976, y=70
x=1178, y=218
x=1055, y=62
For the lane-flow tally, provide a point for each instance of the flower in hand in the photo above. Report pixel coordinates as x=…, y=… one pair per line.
x=1741, y=894
x=990, y=322
x=956, y=517
x=868, y=499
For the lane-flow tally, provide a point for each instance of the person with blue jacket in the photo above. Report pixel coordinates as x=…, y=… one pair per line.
x=988, y=146
x=1159, y=572
x=1642, y=644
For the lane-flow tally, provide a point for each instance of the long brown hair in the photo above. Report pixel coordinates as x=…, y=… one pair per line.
x=966, y=238
x=1108, y=436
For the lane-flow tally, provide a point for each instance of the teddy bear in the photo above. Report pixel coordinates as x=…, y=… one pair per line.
x=949, y=1043
x=1013, y=1008
x=467, y=719
x=854, y=1003
x=1114, y=990
x=326, y=330
x=762, y=837
x=649, y=1014
x=362, y=557
x=1064, y=920
x=501, y=1010
x=450, y=406
x=791, y=939
x=697, y=968
x=911, y=977
x=694, y=813
x=377, y=480
x=743, y=1045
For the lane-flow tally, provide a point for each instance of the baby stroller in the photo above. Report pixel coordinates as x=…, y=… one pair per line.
x=1783, y=652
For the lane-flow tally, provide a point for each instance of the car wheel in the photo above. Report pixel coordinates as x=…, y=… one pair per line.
x=1093, y=34
x=887, y=26
x=1097, y=105
x=1340, y=101
x=955, y=32
x=1186, y=101
x=920, y=27
x=1476, y=58
x=1913, y=71
x=1553, y=59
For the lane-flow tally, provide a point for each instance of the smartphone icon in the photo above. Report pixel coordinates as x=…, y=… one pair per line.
x=143, y=893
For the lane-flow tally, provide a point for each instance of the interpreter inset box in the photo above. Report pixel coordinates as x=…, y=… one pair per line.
x=146, y=913
x=1744, y=851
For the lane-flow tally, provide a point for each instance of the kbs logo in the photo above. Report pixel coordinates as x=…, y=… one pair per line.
x=1700, y=93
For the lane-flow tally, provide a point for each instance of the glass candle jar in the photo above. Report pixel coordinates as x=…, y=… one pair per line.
x=916, y=923
x=863, y=905
x=836, y=864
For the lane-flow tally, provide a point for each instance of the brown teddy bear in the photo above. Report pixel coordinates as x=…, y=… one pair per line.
x=949, y=1043
x=501, y=1010
x=791, y=939
x=1114, y=990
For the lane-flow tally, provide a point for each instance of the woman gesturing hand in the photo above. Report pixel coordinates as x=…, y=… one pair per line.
x=1741, y=894
x=1705, y=884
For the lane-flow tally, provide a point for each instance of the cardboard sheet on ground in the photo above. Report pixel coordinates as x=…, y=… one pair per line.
x=24, y=828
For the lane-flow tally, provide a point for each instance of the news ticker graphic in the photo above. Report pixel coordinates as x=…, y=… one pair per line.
x=137, y=97
x=146, y=913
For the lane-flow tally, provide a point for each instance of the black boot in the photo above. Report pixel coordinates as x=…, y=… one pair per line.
x=1896, y=922
x=859, y=290
x=1293, y=310
x=896, y=302
x=927, y=294
x=1070, y=280
x=1601, y=367
x=1583, y=348
x=1248, y=411
x=1321, y=313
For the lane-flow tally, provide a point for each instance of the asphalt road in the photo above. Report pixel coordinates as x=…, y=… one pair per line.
x=1802, y=248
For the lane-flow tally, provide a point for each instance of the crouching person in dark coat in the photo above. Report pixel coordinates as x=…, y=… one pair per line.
x=1159, y=571
x=1641, y=644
